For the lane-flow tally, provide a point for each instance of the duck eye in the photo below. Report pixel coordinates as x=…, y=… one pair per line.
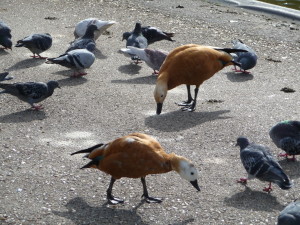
x=162, y=96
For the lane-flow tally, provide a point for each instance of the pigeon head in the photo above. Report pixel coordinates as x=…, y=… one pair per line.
x=138, y=28
x=52, y=84
x=6, y=42
x=126, y=35
x=185, y=169
x=243, y=142
x=247, y=62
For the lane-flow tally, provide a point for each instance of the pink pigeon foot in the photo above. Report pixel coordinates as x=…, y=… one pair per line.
x=37, y=107
x=268, y=189
x=242, y=180
x=241, y=71
x=287, y=156
x=38, y=57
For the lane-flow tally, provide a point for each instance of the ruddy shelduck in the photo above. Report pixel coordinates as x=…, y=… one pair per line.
x=191, y=65
x=136, y=156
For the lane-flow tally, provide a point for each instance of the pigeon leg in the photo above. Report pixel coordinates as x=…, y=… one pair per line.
x=190, y=99
x=110, y=197
x=192, y=107
x=155, y=72
x=242, y=180
x=145, y=194
x=268, y=189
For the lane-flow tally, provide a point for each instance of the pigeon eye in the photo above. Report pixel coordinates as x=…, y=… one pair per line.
x=192, y=173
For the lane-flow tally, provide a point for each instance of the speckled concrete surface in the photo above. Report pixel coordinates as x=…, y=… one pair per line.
x=40, y=183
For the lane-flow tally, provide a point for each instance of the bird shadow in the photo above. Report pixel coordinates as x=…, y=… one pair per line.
x=130, y=69
x=138, y=80
x=66, y=73
x=180, y=120
x=26, y=63
x=27, y=115
x=71, y=81
x=187, y=221
x=98, y=54
x=239, y=77
x=3, y=52
x=80, y=212
x=291, y=168
x=254, y=200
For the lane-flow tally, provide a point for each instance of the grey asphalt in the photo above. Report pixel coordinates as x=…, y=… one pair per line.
x=40, y=183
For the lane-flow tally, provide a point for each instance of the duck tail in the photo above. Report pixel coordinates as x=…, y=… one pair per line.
x=88, y=150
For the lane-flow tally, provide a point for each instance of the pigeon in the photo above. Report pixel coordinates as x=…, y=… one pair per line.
x=136, y=39
x=3, y=76
x=81, y=27
x=286, y=135
x=247, y=59
x=77, y=60
x=31, y=92
x=259, y=163
x=152, y=34
x=36, y=43
x=86, y=41
x=153, y=58
x=5, y=36
x=190, y=65
x=136, y=156
x=290, y=215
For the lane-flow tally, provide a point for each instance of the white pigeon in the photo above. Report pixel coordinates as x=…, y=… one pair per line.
x=81, y=27
x=153, y=58
x=77, y=60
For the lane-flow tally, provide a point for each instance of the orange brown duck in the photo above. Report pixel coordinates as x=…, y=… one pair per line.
x=191, y=65
x=136, y=156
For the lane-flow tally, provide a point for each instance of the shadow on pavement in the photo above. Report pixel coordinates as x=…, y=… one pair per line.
x=291, y=168
x=138, y=80
x=27, y=115
x=26, y=63
x=180, y=120
x=98, y=54
x=131, y=69
x=239, y=77
x=72, y=81
x=254, y=200
x=82, y=213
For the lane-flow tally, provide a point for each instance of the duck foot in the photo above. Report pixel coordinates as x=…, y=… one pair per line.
x=151, y=199
x=113, y=200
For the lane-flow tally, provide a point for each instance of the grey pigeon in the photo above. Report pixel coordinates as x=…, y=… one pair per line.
x=86, y=41
x=152, y=34
x=3, y=76
x=81, y=27
x=31, y=92
x=286, y=135
x=247, y=59
x=290, y=215
x=36, y=43
x=77, y=60
x=259, y=163
x=5, y=36
x=153, y=58
x=136, y=39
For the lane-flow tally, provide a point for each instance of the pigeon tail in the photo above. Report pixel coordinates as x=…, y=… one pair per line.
x=284, y=185
x=88, y=150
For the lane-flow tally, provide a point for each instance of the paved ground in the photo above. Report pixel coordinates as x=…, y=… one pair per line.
x=40, y=183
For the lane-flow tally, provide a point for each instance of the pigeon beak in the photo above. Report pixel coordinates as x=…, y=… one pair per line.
x=159, y=108
x=195, y=184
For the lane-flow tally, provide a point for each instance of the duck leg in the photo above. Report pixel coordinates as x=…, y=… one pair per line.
x=192, y=106
x=190, y=99
x=109, y=195
x=145, y=194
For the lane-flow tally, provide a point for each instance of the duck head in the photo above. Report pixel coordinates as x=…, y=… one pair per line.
x=160, y=93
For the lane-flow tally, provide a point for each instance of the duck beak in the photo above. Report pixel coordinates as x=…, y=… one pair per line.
x=159, y=108
x=195, y=184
